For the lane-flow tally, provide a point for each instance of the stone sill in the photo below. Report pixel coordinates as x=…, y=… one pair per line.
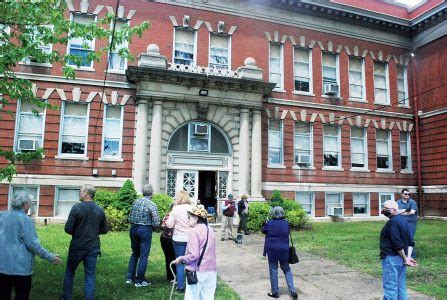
x=302, y=168
x=276, y=167
x=360, y=170
x=110, y=159
x=385, y=171
x=333, y=169
x=71, y=157
x=309, y=94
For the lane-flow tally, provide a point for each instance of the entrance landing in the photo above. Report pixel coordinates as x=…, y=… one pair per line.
x=245, y=270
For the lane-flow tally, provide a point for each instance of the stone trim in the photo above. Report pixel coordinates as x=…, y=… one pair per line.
x=220, y=28
x=433, y=113
x=275, y=38
x=186, y=22
x=121, y=12
x=84, y=6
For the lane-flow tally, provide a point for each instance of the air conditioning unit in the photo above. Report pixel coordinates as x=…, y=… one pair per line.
x=200, y=129
x=335, y=211
x=330, y=89
x=27, y=145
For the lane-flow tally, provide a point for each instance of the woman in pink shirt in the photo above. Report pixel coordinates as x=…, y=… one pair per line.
x=178, y=219
x=201, y=239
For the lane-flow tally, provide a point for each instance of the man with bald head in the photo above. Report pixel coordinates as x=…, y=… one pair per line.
x=396, y=246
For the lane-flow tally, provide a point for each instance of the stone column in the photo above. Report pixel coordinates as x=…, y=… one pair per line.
x=244, y=155
x=256, y=154
x=140, y=159
x=155, y=147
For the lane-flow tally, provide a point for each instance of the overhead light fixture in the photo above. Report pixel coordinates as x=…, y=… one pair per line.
x=203, y=92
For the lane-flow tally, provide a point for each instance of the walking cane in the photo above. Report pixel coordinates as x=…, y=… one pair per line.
x=174, y=281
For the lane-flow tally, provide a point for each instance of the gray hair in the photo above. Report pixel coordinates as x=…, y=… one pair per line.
x=148, y=190
x=89, y=189
x=20, y=200
x=277, y=213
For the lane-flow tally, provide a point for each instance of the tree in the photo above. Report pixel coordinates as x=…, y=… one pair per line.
x=25, y=28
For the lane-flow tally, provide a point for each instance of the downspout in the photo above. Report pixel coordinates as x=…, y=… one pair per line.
x=418, y=142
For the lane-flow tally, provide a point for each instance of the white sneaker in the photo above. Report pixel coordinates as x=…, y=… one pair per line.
x=142, y=284
x=129, y=281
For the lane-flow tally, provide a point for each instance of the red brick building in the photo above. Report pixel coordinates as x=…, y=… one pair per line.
x=338, y=104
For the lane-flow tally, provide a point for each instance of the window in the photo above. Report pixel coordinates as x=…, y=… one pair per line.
x=330, y=68
x=36, y=36
x=307, y=201
x=384, y=197
x=302, y=70
x=199, y=139
x=276, y=65
x=74, y=129
x=29, y=127
x=112, y=132
x=80, y=46
x=381, y=83
x=331, y=146
x=118, y=63
x=219, y=52
x=303, y=144
x=334, y=204
x=275, y=142
x=402, y=86
x=383, y=149
x=33, y=191
x=359, y=158
x=184, y=47
x=405, y=151
x=356, y=79
x=360, y=203
x=65, y=199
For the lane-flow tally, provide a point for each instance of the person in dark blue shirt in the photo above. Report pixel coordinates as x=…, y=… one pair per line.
x=408, y=208
x=396, y=246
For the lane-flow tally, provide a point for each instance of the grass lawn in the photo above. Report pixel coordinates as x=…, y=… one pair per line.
x=110, y=272
x=356, y=244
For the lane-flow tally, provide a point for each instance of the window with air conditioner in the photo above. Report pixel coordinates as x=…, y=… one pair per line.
x=302, y=69
x=381, y=85
x=331, y=146
x=219, y=55
x=402, y=86
x=360, y=204
x=82, y=46
x=383, y=146
x=275, y=142
x=356, y=79
x=276, y=73
x=30, y=190
x=199, y=137
x=303, y=145
x=38, y=35
x=74, y=129
x=112, y=131
x=118, y=63
x=184, y=46
x=405, y=151
x=334, y=204
x=330, y=74
x=30, y=124
x=359, y=148
x=66, y=197
x=307, y=202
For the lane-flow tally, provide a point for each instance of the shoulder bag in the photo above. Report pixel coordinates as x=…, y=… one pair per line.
x=293, y=257
x=191, y=276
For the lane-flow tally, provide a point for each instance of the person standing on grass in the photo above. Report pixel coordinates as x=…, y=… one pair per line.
x=143, y=220
x=242, y=210
x=396, y=245
x=408, y=208
x=228, y=210
x=18, y=245
x=85, y=223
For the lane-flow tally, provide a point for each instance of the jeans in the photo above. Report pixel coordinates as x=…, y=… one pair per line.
x=20, y=284
x=273, y=269
x=180, y=249
x=140, y=242
x=394, y=278
x=88, y=258
x=412, y=226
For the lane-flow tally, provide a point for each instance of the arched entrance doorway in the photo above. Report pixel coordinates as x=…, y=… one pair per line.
x=199, y=161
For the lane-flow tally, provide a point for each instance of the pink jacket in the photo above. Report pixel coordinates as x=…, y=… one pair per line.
x=178, y=219
x=194, y=247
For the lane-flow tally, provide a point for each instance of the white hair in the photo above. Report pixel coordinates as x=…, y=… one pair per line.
x=391, y=204
x=20, y=200
x=148, y=190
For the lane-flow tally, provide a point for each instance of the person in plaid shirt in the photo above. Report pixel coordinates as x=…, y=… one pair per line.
x=143, y=218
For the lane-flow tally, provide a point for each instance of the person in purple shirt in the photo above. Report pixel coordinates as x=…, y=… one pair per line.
x=201, y=239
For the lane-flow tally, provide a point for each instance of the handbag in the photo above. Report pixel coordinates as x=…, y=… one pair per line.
x=191, y=276
x=293, y=257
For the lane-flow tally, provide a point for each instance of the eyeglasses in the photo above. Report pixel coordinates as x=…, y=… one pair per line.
x=406, y=194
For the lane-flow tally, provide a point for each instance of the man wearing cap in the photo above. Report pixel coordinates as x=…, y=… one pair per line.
x=396, y=246
x=242, y=210
x=228, y=210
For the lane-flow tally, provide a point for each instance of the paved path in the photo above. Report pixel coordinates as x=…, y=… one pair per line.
x=245, y=270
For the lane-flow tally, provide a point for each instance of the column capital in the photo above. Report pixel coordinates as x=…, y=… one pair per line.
x=244, y=110
x=256, y=111
x=157, y=102
x=142, y=100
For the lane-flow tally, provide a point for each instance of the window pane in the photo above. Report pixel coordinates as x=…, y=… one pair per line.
x=219, y=41
x=184, y=36
x=218, y=142
x=179, y=140
x=73, y=109
x=274, y=156
x=112, y=128
x=329, y=60
x=331, y=130
x=379, y=68
x=30, y=123
x=275, y=51
x=305, y=200
x=111, y=147
x=357, y=146
x=113, y=112
x=357, y=132
x=302, y=70
x=355, y=64
x=302, y=128
x=74, y=126
x=333, y=199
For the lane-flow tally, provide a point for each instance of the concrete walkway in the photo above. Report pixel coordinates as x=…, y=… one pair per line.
x=245, y=270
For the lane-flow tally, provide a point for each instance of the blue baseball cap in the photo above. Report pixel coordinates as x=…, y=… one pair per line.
x=230, y=195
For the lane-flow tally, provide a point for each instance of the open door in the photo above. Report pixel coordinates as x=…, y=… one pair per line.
x=188, y=180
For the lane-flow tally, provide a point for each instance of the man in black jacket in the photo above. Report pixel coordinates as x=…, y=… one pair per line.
x=85, y=223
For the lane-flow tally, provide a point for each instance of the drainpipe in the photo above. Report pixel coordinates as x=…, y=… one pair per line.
x=418, y=143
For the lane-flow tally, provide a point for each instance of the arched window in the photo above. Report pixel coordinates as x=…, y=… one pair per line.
x=199, y=137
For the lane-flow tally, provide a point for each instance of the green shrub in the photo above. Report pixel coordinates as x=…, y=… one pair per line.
x=298, y=219
x=117, y=219
x=105, y=198
x=276, y=196
x=125, y=197
x=163, y=202
x=259, y=213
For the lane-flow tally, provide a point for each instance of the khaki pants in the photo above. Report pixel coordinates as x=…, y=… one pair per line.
x=227, y=226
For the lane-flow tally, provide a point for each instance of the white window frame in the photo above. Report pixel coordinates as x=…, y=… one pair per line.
x=11, y=194
x=387, y=82
x=68, y=155
x=312, y=201
x=311, y=143
x=56, y=197
x=368, y=205
x=17, y=125
x=408, y=146
x=339, y=162
x=380, y=202
x=406, y=102
x=337, y=71
x=120, y=149
x=365, y=147
x=194, y=31
x=26, y=60
x=281, y=153
x=124, y=45
x=279, y=88
x=362, y=62
x=228, y=49
x=342, y=200
x=190, y=135
x=390, y=151
x=86, y=68
x=311, y=86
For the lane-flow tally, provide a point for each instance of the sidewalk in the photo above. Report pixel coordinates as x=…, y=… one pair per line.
x=245, y=270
